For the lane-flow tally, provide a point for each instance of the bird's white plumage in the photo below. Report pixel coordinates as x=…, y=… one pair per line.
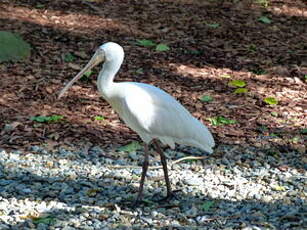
x=153, y=113
x=148, y=110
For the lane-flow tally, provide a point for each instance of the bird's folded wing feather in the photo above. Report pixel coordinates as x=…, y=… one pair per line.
x=152, y=110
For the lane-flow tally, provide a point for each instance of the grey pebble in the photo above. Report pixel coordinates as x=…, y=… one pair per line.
x=86, y=192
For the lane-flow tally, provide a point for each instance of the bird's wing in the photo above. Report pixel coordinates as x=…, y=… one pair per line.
x=158, y=114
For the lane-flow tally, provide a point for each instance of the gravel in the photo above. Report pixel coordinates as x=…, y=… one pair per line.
x=235, y=188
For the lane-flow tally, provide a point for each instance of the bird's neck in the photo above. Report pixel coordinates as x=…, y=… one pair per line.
x=106, y=77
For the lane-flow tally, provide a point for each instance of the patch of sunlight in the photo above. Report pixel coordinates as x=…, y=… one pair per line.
x=77, y=22
x=287, y=10
x=204, y=72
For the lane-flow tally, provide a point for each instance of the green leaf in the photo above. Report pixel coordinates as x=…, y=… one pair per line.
x=44, y=119
x=240, y=90
x=237, y=83
x=55, y=117
x=213, y=25
x=69, y=57
x=44, y=220
x=252, y=48
x=215, y=121
x=162, y=47
x=225, y=76
x=99, y=118
x=207, y=205
x=145, y=43
x=13, y=47
x=131, y=147
x=271, y=100
x=265, y=20
x=206, y=98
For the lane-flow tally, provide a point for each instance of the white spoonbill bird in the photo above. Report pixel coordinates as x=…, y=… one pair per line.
x=152, y=113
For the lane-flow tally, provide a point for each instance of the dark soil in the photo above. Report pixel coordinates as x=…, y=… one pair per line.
x=208, y=40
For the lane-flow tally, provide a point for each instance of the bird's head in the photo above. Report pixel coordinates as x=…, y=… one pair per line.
x=107, y=52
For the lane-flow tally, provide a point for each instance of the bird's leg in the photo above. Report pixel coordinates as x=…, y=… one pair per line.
x=144, y=170
x=164, y=164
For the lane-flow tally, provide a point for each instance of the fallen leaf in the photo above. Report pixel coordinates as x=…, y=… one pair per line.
x=265, y=20
x=74, y=66
x=240, y=90
x=237, y=83
x=162, y=47
x=206, y=98
x=270, y=100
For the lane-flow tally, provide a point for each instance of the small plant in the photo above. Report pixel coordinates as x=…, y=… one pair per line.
x=206, y=98
x=148, y=43
x=207, y=205
x=47, y=220
x=145, y=43
x=46, y=119
x=252, y=48
x=215, y=121
x=271, y=100
x=237, y=83
x=69, y=57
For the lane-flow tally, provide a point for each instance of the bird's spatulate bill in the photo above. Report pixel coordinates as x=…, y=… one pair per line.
x=95, y=60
